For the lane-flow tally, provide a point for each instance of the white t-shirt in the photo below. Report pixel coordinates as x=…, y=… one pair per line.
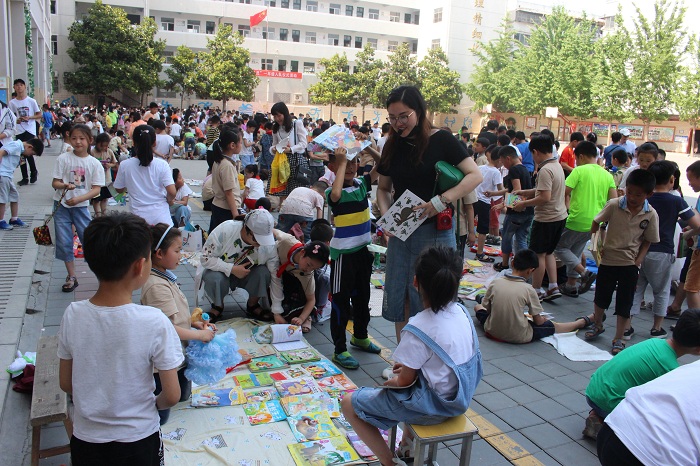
x=26, y=107
x=163, y=144
x=175, y=130
x=114, y=351
x=183, y=192
x=256, y=188
x=659, y=422
x=83, y=172
x=247, y=150
x=302, y=201
x=146, y=187
x=380, y=143
x=451, y=330
x=376, y=133
x=492, y=178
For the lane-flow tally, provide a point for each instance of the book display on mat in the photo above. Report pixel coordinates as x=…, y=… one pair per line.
x=246, y=381
x=299, y=356
x=302, y=386
x=313, y=402
x=321, y=369
x=259, y=396
x=264, y=413
x=315, y=425
x=213, y=396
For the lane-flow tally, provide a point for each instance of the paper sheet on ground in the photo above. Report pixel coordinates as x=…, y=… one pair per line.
x=575, y=349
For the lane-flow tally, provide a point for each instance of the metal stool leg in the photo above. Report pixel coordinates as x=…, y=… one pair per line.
x=432, y=453
x=392, y=440
x=419, y=454
x=466, y=452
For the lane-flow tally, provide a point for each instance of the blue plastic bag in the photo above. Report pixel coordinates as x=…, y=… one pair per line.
x=207, y=362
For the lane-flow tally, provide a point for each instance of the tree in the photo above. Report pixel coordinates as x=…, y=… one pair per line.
x=658, y=47
x=687, y=92
x=492, y=81
x=333, y=86
x=399, y=71
x=365, y=78
x=440, y=86
x=111, y=54
x=223, y=72
x=182, y=72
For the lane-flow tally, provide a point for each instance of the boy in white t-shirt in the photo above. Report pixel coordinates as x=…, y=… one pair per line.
x=493, y=181
x=108, y=348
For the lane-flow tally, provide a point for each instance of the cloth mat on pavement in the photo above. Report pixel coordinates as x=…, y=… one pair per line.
x=575, y=349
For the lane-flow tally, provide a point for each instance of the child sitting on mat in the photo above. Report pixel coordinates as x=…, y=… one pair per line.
x=437, y=360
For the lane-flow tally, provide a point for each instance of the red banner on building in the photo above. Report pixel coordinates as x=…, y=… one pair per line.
x=278, y=74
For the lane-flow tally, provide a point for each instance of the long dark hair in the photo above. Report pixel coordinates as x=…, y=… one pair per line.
x=144, y=137
x=280, y=108
x=226, y=137
x=413, y=99
x=438, y=271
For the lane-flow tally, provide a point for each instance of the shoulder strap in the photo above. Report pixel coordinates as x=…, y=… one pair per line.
x=430, y=343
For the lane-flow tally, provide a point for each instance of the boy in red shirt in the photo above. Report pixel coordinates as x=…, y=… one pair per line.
x=567, y=159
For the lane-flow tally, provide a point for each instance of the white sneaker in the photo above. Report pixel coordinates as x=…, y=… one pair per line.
x=399, y=462
x=388, y=373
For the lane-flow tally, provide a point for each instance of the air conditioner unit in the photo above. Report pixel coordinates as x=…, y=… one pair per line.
x=298, y=98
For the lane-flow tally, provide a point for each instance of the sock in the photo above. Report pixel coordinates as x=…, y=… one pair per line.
x=552, y=286
x=540, y=290
x=12, y=219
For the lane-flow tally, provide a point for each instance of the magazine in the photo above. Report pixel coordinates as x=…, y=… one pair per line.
x=210, y=397
x=289, y=374
x=321, y=369
x=299, y=356
x=401, y=220
x=336, y=384
x=341, y=136
x=334, y=450
x=259, y=396
x=246, y=381
x=360, y=447
x=313, y=402
x=266, y=363
x=302, y=386
x=265, y=412
x=283, y=337
x=314, y=425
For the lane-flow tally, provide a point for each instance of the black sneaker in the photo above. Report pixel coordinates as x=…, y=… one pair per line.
x=32, y=179
x=660, y=333
x=23, y=183
x=628, y=334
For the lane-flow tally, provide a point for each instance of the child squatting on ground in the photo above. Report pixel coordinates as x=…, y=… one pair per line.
x=438, y=357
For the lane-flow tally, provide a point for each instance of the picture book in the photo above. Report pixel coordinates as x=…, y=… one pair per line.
x=289, y=374
x=336, y=384
x=247, y=381
x=259, y=396
x=283, y=337
x=401, y=220
x=341, y=136
x=294, y=404
x=334, y=450
x=266, y=363
x=302, y=386
x=360, y=447
x=299, y=356
x=342, y=423
x=321, y=369
x=511, y=199
x=314, y=425
x=210, y=397
x=265, y=412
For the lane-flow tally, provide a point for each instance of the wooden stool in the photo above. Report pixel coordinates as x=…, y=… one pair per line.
x=458, y=427
x=49, y=402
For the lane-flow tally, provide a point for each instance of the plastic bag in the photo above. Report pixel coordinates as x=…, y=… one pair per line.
x=207, y=362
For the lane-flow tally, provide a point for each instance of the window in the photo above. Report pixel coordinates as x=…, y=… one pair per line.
x=522, y=38
x=266, y=64
x=284, y=3
x=435, y=44
x=372, y=43
x=393, y=45
x=270, y=31
x=416, y=18
x=358, y=42
x=210, y=26
x=283, y=33
x=282, y=65
x=347, y=41
x=437, y=15
x=394, y=16
x=360, y=12
x=333, y=39
x=271, y=3
x=407, y=18
x=373, y=13
x=134, y=19
x=311, y=5
x=229, y=25
x=167, y=24
x=295, y=35
x=244, y=30
x=294, y=66
x=192, y=25
x=414, y=47
x=244, y=1
x=53, y=12
x=54, y=44
x=54, y=83
x=334, y=9
x=168, y=55
x=348, y=10
x=309, y=67
x=297, y=5
x=310, y=38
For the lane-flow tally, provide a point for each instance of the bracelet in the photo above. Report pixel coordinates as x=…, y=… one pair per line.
x=437, y=203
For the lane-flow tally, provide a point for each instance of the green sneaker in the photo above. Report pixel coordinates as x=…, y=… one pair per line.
x=346, y=360
x=365, y=345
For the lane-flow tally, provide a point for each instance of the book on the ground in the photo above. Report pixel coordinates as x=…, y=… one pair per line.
x=298, y=404
x=315, y=425
x=294, y=372
x=283, y=337
x=299, y=356
x=302, y=386
x=247, y=381
x=213, y=396
x=334, y=450
x=336, y=384
x=360, y=447
x=400, y=219
x=321, y=369
x=259, y=396
x=266, y=363
x=265, y=412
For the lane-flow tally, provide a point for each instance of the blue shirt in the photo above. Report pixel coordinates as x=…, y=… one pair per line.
x=670, y=208
x=528, y=161
x=10, y=161
x=48, y=120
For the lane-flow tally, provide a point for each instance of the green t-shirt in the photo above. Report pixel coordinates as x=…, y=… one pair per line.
x=590, y=184
x=634, y=366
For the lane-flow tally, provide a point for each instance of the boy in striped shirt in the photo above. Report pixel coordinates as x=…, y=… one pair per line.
x=351, y=262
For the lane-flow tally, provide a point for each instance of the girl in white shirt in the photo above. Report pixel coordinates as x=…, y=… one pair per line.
x=254, y=186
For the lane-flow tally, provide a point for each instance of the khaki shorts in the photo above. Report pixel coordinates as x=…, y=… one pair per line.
x=692, y=279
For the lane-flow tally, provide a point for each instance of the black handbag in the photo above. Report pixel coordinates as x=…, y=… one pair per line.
x=303, y=171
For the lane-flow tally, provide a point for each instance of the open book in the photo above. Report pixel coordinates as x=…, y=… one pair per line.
x=401, y=220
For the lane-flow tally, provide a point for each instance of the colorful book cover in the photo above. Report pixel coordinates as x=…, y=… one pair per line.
x=289, y=374
x=360, y=447
x=321, y=369
x=334, y=450
x=299, y=356
x=210, y=397
x=315, y=425
x=247, y=381
x=295, y=404
x=265, y=412
x=400, y=219
x=259, y=396
x=302, y=386
x=266, y=363
x=511, y=199
x=336, y=384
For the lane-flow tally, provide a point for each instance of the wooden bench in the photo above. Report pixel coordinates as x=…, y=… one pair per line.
x=49, y=402
x=458, y=427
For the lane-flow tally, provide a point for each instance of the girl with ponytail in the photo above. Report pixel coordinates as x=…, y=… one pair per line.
x=224, y=178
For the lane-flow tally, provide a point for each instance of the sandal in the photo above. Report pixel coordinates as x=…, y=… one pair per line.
x=306, y=325
x=672, y=313
x=484, y=258
x=215, y=314
x=617, y=347
x=258, y=313
x=592, y=334
x=587, y=321
x=404, y=453
x=500, y=267
x=70, y=285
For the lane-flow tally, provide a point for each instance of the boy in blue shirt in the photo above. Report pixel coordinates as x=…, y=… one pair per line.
x=12, y=154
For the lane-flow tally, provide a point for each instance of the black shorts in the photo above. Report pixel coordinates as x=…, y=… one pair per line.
x=541, y=331
x=104, y=194
x=483, y=211
x=544, y=236
x=145, y=452
x=624, y=277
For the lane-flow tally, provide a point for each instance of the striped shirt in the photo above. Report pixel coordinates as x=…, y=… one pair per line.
x=351, y=216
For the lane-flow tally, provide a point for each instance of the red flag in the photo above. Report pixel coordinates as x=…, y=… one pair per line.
x=258, y=18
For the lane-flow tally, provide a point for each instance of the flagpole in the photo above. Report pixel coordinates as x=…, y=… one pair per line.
x=267, y=33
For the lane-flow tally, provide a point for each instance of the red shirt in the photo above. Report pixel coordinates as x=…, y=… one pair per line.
x=567, y=156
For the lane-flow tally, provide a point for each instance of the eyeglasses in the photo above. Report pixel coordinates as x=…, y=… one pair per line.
x=403, y=119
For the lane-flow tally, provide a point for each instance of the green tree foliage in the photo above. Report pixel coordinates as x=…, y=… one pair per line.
x=686, y=97
x=182, y=72
x=658, y=46
x=439, y=85
x=111, y=54
x=333, y=86
x=365, y=78
x=400, y=70
x=223, y=72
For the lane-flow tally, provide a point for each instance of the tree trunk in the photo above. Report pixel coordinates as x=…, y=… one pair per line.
x=331, y=116
x=182, y=99
x=363, y=113
x=692, y=138
x=224, y=100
